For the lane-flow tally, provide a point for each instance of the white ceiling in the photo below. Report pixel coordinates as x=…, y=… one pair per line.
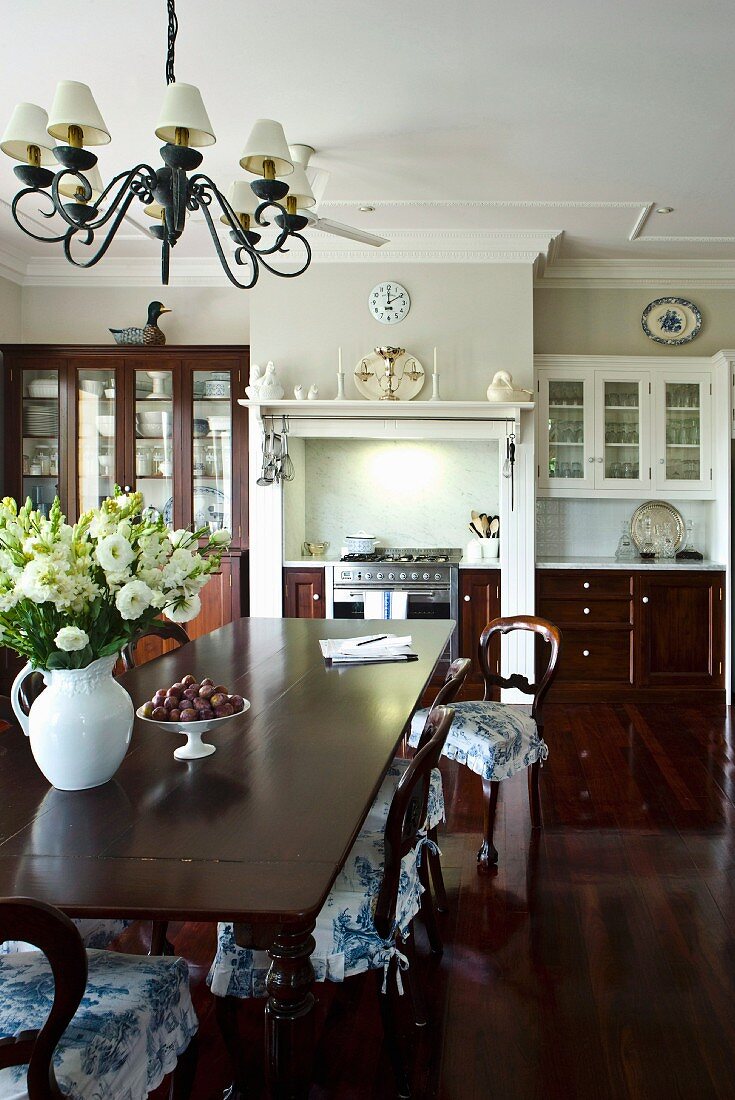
x=545, y=118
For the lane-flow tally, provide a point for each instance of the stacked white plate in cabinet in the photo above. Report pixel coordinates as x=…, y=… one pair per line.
x=40, y=419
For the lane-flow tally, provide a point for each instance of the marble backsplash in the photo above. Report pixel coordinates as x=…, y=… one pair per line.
x=405, y=493
x=584, y=526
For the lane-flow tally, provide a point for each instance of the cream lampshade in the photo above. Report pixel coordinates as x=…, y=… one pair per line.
x=299, y=188
x=74, y=105
x=27, y=126
x=183, y=109
x=69, y=184
x=241, y=198
x=154, y=210
x=266, y=142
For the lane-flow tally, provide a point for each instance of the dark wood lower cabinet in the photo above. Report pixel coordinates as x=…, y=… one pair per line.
x=680, y=640
x=479, y=603
x=303, y=593
x=638, y=634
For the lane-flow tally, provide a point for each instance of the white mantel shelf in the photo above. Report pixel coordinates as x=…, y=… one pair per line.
x=381, y=419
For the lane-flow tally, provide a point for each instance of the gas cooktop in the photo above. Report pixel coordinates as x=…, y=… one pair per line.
x=399, y=554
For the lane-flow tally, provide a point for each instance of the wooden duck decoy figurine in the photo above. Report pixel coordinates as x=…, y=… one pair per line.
x=149, y=335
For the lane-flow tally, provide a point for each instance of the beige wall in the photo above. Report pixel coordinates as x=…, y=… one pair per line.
x=608, y=322
x=83, y=315
x=478, y=316
x=10, y=312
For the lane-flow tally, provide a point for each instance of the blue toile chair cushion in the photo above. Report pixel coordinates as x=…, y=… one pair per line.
x=378, y=814
x=135, y=1019
x=94, y=932
x=347, y=941
x=493, y=739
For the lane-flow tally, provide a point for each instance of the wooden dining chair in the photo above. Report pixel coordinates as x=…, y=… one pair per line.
x=88, y=1023
x=159, y=628
x=365, y=924
x=496, y=740
x=450, y=689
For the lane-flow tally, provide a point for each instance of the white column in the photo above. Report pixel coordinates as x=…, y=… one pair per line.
x=266, y=534
x=518, y=558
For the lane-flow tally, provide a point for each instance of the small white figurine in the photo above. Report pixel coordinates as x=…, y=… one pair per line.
x=313, y=393
x=270, y=388
x=298, y=392
x=256, y=381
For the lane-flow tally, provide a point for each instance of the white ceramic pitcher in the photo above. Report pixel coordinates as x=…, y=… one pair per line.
x=80, y=726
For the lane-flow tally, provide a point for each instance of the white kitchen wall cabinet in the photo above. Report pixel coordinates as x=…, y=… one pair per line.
x=618, y=428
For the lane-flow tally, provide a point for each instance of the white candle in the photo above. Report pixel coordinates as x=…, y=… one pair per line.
x=339, y=368
x=434, y=360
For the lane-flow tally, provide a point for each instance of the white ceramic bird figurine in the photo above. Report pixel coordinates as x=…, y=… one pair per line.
x=256, y=382
x=313, y=393
x=298, y=392
x=270, y=388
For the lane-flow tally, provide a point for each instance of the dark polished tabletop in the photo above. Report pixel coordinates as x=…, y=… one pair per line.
x=257, y=831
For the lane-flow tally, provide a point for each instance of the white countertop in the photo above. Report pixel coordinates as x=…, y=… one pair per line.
x=572, y=562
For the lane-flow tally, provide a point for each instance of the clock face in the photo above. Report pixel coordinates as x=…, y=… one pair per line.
x=389, y=303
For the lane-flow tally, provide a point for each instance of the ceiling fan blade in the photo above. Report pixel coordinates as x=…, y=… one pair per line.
x=340, y=230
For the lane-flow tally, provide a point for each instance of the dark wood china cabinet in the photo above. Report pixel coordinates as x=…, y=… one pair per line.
x=164, y=420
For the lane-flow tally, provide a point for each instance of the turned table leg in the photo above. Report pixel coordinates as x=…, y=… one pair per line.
x=289, y=1024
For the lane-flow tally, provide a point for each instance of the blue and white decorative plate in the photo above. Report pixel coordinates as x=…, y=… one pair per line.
x=209, y=503
x=671, y=321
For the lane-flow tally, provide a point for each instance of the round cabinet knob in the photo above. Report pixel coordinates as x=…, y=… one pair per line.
x=599, y=460
x=591, y=458
x=585, y=653
x=645, y=599
x=661, y=461
x=127, y=488
x=586, y=584
x=316, y=596
x=586, y=610
x=466, y=599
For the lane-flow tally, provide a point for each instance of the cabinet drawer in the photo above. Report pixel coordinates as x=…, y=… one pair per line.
x=584, y=612
x=592, y=656
x=607, y=584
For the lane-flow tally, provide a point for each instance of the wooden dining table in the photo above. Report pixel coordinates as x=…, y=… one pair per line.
x=255, y=833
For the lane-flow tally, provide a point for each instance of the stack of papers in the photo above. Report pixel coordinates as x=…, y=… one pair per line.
x=368, y=649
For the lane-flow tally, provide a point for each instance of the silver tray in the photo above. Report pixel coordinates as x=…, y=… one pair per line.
x=660, y=512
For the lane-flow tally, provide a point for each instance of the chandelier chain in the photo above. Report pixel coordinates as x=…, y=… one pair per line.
x=173, y=29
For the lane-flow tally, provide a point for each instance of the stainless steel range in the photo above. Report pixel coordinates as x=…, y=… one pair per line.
x=397, y=582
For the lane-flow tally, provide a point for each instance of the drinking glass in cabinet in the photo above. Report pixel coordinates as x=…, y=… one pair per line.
x=96, y=422
x=212, y=449
x=154, y=449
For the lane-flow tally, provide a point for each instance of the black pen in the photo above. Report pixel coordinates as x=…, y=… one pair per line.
x=378, y=638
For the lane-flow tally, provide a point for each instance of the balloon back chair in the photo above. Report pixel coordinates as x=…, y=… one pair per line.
x=496, y=740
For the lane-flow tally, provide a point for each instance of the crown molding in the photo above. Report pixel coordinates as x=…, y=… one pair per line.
x=405, y=246
x=12, y=266
x=609, y=274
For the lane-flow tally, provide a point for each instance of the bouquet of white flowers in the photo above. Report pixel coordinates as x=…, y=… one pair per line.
x=69, y=595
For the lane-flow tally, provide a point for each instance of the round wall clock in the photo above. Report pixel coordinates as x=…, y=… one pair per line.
x=671, y=321
x=389, y=303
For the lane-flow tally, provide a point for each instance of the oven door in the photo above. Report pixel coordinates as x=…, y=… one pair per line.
x=424, y=603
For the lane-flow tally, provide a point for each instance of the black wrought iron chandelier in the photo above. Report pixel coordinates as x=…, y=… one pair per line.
x=95, y=213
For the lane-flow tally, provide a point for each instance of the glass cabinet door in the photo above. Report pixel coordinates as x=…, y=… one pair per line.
x=41, y=439
x=683, y=437
x=566, y=431
x=212, y=450
x=97, y=400
x=622, y=417
x=154, y=440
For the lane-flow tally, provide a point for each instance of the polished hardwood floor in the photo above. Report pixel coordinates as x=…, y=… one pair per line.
x=598, y=962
